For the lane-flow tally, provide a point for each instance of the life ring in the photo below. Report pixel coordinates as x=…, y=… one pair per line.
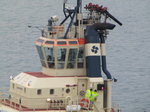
x=84, y=102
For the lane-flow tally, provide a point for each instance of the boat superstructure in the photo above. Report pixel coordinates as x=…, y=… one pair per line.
x=73, y=59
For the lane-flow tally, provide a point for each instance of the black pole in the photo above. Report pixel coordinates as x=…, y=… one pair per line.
x=104, y=65
x=64, y=8
x=65, y=36
x=66, y=19
x=78, y=5
x=113, y=18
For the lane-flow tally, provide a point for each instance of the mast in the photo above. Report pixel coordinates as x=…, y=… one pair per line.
x=79, y=19
x=79, y=5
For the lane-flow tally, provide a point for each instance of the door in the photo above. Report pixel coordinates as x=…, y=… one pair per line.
x=82, y=87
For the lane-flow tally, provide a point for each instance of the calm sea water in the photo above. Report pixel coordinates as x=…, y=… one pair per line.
x=128, y=47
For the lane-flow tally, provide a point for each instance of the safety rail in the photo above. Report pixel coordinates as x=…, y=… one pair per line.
x=55, y=32
x=4, y=93
x=20, y=107
x=54, y=103
x=51, y=103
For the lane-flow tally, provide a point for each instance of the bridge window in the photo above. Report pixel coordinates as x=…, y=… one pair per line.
x=61, y=42
x=72, y=42
x=50, y=57
x=49, y=42
x=40, y=52
x=80, y=58
x=61, y=56
x=43, y=63
x=72, y=58
x=39, y=49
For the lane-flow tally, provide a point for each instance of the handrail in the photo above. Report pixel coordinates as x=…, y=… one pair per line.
x=54, y=105
x=4, y=93
x=15, y=103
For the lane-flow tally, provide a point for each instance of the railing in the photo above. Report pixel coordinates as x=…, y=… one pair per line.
x=56, y=32
x=52, y=103
x=4, y=93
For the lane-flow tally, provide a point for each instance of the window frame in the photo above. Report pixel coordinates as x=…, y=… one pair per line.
x=41, y=55
x=76, y=57
x=53, y=57
x=51, y=91
x=66, y=55
x=83, y=55
x=39, y=92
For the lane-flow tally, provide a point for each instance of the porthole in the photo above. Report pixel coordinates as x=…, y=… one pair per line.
x=68, y=90
x=49, y=42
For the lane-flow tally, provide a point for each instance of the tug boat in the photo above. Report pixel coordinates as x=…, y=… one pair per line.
x=73, y=59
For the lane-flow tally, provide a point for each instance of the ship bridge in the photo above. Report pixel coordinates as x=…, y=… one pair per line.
x=61, y=57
